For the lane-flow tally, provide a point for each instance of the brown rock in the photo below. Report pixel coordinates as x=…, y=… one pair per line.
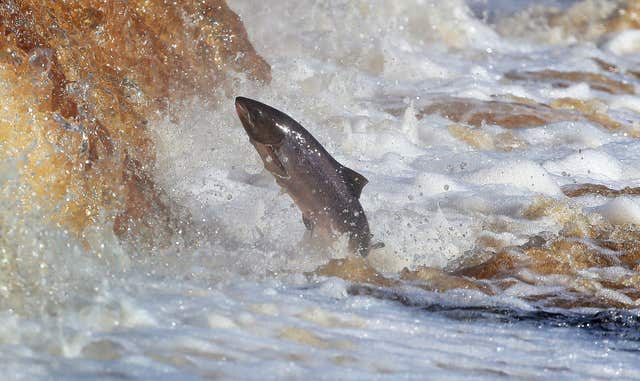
x=354, y=269
x=437, y=280
x=509, y=115
x=626, y=17
x=86, y=78
x=594, y=110
x=563, y=79
x=577, y=190
x=501, y=264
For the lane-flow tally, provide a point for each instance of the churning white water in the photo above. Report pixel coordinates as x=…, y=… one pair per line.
x=239, y=304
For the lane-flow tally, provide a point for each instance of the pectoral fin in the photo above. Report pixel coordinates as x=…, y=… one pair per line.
x=271, y=160
x=354, y=180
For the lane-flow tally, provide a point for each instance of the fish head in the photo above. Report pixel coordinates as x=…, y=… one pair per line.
x=268, y=130
x=263, y=124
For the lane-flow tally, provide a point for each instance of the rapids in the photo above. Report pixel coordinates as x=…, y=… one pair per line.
x=500, y=141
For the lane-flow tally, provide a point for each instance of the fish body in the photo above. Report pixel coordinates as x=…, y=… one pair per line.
x=326, y=192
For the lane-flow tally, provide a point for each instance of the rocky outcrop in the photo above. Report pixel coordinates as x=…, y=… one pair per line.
x=82, y=80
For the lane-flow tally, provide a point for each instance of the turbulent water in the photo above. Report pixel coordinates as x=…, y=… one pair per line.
x=472, y=144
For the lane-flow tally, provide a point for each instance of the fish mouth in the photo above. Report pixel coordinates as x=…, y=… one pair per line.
x=259, y=121
x=244, y=115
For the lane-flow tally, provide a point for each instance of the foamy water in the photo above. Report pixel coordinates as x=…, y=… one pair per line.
x=234, y=299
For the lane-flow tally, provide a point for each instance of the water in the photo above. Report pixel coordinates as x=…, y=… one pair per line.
x=240, y=297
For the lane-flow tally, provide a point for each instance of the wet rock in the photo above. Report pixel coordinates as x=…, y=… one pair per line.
x=501, y=264
x=594, y=261
x=578, y=190
x=480, y=139
x=595, y=111
x=354, y=269
x=519, y=113
x=584, y=20
x=564, y=79
x=625, y=17
x=83, y=80
x=505, y=114
x=437, y=280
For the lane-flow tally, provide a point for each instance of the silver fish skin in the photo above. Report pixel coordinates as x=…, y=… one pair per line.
x=326, y=192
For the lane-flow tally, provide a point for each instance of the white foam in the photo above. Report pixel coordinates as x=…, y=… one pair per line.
x=576, y=91
x=630, y=102
x=563, y=134
x=431, y=184
x=621, y=210
x=625, y=42
x=588, y=164
x=397, y=56
x=520, y=174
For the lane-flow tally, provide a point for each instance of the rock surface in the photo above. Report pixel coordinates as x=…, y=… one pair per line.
x=82, y=80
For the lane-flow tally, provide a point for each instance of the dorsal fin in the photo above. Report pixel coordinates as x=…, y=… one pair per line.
x=353, y=179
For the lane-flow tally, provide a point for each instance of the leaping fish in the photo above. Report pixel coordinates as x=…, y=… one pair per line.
x=326, y=192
